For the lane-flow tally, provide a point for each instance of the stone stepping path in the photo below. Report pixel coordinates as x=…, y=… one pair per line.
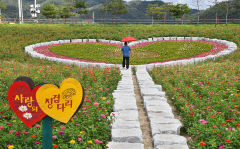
x=126, y=131
x=165, y=128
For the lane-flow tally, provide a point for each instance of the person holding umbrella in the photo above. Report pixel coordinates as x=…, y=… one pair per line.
x=125, y=50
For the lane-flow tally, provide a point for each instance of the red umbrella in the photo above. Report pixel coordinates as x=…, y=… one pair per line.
x=128, y=39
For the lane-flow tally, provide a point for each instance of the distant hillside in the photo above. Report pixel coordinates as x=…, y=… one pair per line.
x=234, y=11
x=137, y=9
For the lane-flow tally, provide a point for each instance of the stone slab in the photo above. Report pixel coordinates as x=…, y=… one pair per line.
x=165, y=129
x=117, y=145
x=163, y=114
x=174, y=146
x=158, y=109
x=125, y=106
x=92, y=40
x=133, y=135
x=151, y=92
x=125, y=124
x=146, y=98
x=164, y=121
x=156, y=103
x=168, y=139
x=159, y=87
x=76, y=40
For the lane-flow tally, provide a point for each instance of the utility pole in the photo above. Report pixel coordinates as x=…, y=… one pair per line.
x=20, y=12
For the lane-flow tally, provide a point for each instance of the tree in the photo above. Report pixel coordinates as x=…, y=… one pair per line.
x=155, y=11
x=166, y=7
x=49, y=10
x=105, y=7
x=2, y=7
x=179, y=10
x=215, y=2
x=227, y=5
x=198, y=4
x=116, y=7
x=65, y=11
x=81, y=7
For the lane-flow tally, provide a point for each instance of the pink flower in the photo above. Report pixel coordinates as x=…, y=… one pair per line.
x=77, y=124
x=221, y=147
x=107, y=101
x=37, y=126
x=63, y=127
x=54, y=137
x=37, y=142
x=103, y=116
x=95, y=104
x=79, y=139
x=17, y=133
x=61, y=132
x=203, y=121
x=25, y=132
x=98, y=141
x=1, y=127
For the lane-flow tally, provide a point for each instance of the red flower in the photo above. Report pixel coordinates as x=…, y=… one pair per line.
x=228, y=141
x=237, y=125
x=223, y=124
x=203, y=143
x=191, y=114
x=55, y=146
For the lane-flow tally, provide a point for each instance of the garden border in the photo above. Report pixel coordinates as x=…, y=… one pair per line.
x=231, y=48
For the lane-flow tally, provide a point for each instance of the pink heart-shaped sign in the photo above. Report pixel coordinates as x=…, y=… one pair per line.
x=23, y=102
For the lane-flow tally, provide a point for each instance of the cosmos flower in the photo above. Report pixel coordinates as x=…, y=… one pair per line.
x=23, y=108
x=27, y=115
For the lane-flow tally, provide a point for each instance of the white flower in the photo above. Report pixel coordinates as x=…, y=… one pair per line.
x=23, y=108
x=27, y=115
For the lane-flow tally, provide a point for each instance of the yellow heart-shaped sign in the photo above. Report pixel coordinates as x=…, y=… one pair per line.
x=60, y=103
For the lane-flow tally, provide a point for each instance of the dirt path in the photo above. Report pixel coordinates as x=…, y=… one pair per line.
x=143, y=119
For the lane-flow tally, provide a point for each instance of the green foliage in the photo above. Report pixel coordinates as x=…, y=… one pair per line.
x=179, y=10
x=2, y=6
x=65, y=11
x=155, y=11
x=49, y=10
x=116, y=7
x=221, y=8
x=81, y=7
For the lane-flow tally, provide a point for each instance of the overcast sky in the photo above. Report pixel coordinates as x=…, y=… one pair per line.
x=191, y=3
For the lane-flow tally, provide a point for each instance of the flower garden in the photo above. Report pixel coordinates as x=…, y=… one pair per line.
x=205, y=95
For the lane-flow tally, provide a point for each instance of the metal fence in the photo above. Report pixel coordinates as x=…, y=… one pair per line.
x=119, y=21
